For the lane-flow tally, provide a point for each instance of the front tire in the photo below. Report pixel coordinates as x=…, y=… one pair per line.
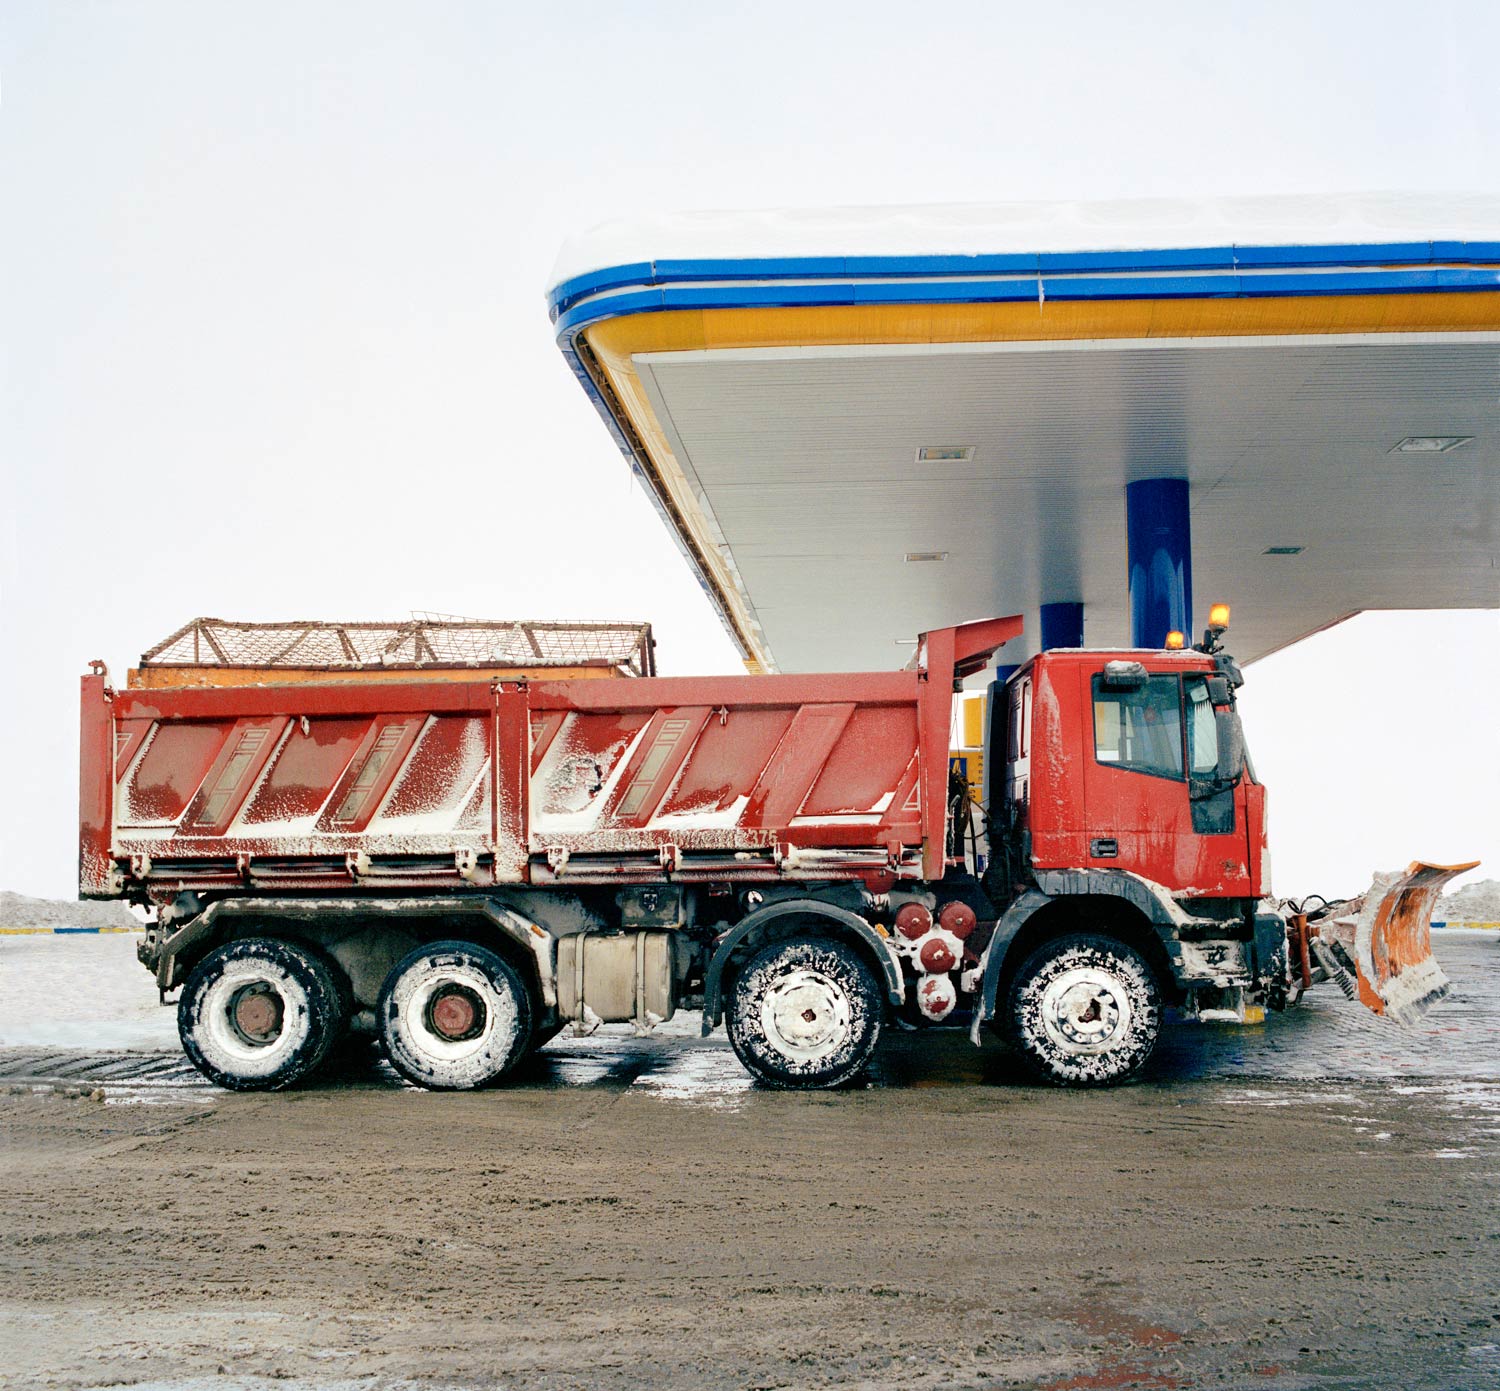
x=260, y=1014
x=805, y=1013
x=454, y=1016
x=1084, y=1011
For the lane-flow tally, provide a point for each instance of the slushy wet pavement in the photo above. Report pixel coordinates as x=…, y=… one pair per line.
x=1304, y=1202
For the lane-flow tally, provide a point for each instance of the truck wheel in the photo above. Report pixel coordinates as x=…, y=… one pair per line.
x=454, y=1016
x=259, y=1014
x=805, y=1013
x=1085, y=1011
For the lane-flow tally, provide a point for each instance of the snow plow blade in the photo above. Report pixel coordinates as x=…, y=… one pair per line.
x=1385, y=937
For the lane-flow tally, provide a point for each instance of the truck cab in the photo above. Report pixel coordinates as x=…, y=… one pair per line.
x=1133, y=761
x=1128, y=857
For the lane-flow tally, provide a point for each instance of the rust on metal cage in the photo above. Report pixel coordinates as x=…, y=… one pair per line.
x=220, y=652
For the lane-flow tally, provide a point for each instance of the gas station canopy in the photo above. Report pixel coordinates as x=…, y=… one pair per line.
x=865, y=423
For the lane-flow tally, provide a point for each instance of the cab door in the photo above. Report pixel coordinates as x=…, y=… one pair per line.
x=1219, y=836
x=1153, y=802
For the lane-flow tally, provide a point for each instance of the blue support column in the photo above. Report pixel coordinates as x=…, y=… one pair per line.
x=1062, y=625
x=1161, y=560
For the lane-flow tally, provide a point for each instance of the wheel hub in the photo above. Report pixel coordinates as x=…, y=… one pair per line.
x=256, y=1013
x=805, y=1014
x=1085, y=1010
x=455, y=1012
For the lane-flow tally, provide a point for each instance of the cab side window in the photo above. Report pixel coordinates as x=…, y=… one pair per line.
x=1140, y=730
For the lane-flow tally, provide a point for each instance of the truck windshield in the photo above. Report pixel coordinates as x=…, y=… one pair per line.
x=1141, y=729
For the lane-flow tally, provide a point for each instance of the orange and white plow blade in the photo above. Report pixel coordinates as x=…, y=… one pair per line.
x=1387, y=933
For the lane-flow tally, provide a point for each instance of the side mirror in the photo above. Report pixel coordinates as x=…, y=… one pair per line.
x=1218, y=690
x=1231, y=738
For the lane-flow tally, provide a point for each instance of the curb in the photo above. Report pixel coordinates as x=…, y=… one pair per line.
x=65, y=931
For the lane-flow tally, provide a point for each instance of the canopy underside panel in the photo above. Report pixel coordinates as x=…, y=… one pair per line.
x=783, y=437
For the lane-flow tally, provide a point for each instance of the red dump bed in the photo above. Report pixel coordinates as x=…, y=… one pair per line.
x=423, y=783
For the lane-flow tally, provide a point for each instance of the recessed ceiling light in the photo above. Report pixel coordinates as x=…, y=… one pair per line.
x=1431, y=444
x=912, y=556
x=945, y=453
x=1282, y=550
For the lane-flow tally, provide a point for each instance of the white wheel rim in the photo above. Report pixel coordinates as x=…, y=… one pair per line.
x=1086, y=1011
x=806, y=1015
x=414, y=995
x=225, y=1045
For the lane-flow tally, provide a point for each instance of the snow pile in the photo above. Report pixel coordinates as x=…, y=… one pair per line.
x=16, y=910
x=1474, y=903
x=80, y=992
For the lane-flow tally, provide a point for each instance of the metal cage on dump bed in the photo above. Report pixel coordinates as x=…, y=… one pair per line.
x=218, y=652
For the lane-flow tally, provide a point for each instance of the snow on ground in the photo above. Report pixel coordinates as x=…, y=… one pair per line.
x=80, y=992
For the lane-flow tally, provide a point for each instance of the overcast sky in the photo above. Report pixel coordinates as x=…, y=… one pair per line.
x=275, y=345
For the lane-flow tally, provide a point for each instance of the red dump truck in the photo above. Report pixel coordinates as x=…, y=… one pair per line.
x=466, y=856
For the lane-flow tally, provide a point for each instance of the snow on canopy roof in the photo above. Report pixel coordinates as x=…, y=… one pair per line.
x=1032, y=228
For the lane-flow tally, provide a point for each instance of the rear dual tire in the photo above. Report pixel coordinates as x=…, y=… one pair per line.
x=454, y=1016
x=260, y=1014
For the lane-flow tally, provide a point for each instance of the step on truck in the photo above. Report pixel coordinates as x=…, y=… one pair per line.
x=463, y=852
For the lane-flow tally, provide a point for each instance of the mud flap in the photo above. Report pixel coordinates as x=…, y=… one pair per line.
x=1385, y=937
